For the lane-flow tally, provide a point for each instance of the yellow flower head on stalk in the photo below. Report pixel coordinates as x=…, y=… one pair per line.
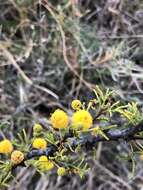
x=39, y=143
x=61, y=171
x=59, y=119
x=17, y=157
x=83, y=119
x=6, y=146
x=76, y=104
x=44, y=164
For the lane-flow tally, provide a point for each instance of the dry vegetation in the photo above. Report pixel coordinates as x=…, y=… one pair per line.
x=54, y=51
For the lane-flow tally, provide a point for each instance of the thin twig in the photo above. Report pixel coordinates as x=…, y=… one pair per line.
x=113, y=176
x=89, y=141
x=11, y=59
x=46, y=5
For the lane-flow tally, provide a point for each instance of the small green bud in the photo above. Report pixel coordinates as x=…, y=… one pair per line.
x=37, y=128
x=61, y=171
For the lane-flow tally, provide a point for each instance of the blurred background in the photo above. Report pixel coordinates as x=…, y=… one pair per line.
x=54, y=51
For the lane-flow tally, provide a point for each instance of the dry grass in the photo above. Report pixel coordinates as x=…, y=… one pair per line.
x=54, y=51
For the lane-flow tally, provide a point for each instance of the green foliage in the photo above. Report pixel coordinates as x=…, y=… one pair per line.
x=130, y=112
x=30, y=33
x=22, y=142
x=5, y=175
x=103, y=108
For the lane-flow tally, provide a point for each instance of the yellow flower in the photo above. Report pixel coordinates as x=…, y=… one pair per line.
x=6, y=146
x=76, y=104
x=83, y=119
x=61, y=171
x=39, y=143
x=59, y=119
x=17, y=157
x=37, y=128
x=44, y=164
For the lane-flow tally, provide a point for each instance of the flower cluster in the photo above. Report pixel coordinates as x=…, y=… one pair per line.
x=59, y=119
x=6, y=146
x=39, y=143
x=62, y=131
x=17, y=157
x=44, y=164
x=81, y=118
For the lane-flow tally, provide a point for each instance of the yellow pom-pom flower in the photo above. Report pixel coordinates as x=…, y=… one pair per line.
x=82, y=119
x=6, y=146
x=76, y=104
x=37, y=128
x=59, y=119
x=44, y=164
x=39, y=143
x=61, y=171
x=17, y=157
